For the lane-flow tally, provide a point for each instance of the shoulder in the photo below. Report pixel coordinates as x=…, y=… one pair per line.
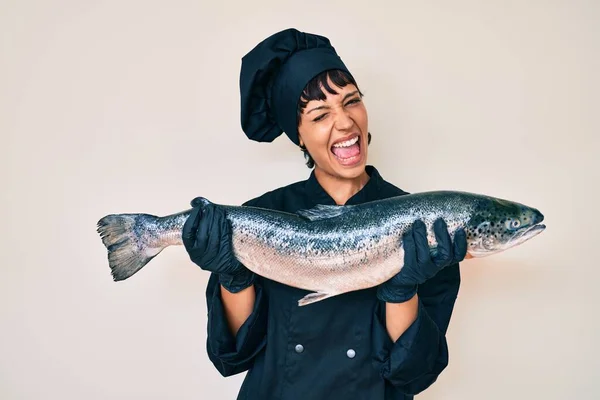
x=384, y=187
x=279, y=198
x=388, y=189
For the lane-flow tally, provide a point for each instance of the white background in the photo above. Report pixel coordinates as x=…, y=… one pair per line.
x=133, y=106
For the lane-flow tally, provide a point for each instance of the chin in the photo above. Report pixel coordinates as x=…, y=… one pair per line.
x=350, y=172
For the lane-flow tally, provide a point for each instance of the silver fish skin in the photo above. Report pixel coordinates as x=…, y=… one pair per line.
x=329, y=250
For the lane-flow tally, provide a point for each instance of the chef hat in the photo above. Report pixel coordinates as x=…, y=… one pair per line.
x=273, y=76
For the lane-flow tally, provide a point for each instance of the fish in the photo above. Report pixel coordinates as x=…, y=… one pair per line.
x=329, y=250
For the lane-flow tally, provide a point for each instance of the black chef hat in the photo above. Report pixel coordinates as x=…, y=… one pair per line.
x=273, y=76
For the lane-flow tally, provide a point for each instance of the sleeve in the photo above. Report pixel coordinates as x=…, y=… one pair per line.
x=234, y=354
x=418, y=357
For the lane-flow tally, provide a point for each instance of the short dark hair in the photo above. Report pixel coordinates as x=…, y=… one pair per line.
x=314, y=91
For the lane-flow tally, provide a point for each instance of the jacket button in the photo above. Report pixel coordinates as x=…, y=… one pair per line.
x=299, y=348
x=350, y=353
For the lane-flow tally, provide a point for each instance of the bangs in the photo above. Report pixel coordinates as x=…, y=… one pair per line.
x=314, y=88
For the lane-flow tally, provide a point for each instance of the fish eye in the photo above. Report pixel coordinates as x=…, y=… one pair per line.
x=513, y=223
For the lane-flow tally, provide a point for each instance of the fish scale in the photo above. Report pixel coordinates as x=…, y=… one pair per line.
x=329, y=250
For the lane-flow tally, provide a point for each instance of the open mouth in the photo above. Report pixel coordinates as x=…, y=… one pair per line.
x=526, y=233
x=347, y=151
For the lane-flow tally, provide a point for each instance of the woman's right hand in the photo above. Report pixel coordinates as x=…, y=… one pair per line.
x=206, y=237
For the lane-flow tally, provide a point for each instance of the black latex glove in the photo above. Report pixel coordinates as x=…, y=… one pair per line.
x=421, y=263
x=206, y=237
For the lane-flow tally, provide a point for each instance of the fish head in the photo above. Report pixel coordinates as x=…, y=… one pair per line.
x=497, y=225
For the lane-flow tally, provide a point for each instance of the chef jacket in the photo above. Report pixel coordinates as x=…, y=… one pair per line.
x=337, y=348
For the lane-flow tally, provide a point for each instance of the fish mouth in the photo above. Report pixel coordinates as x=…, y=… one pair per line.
x=483, y=249
x=526, y=233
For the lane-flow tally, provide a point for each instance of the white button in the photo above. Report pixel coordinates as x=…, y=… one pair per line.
x=299, y=348
x=350, y=353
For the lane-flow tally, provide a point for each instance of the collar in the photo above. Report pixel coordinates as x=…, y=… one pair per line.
x=317, y=195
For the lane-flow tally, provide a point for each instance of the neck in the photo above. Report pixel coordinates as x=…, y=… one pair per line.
x=341, y=189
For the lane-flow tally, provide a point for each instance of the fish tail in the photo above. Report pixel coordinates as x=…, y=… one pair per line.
x=126, y=252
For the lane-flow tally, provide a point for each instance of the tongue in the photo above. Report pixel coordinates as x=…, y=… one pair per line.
x=346, y=152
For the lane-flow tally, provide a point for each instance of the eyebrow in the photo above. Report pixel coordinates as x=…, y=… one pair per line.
x=344, y=99
x=350, y=95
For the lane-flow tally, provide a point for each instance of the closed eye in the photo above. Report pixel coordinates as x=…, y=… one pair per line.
x=320, y=117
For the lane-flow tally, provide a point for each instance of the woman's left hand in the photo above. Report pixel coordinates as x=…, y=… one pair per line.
x=421, y=263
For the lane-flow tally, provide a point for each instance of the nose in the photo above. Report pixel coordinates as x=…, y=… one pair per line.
x=343, y=121
x=534, y=215
x=537, y=216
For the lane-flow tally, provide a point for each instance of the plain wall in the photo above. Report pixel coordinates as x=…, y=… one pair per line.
x=133, y=106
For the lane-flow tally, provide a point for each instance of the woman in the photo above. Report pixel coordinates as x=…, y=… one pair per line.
x=386, y=342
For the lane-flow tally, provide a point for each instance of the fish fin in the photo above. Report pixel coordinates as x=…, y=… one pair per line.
x=314, y=297
x=124, y=255
x=322, y=211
